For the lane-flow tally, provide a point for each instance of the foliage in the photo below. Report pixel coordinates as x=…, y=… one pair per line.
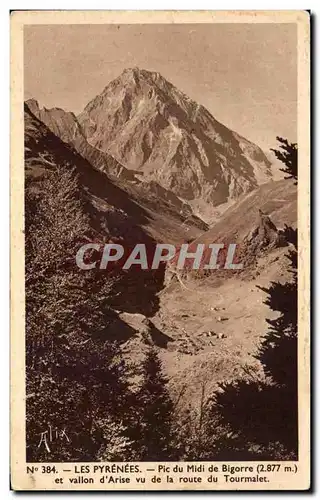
x=288, y=155
x=155, y=418
x=263, y=414
x=75, y=380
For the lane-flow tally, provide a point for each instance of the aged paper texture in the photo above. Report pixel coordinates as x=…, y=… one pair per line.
x=160, y=250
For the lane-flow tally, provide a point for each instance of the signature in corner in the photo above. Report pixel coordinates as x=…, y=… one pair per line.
x=50, y=435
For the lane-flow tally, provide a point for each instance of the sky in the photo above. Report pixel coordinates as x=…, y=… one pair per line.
x=244, y=74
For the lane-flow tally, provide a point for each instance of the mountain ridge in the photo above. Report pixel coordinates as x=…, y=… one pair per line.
x=144, y=131
x=65, y=125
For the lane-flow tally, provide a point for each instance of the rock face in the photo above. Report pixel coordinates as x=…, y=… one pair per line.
x=265, y=236
x=278, y=199
x=150, y=210
x=151, y=127
x=256, y=232
x=66, y=126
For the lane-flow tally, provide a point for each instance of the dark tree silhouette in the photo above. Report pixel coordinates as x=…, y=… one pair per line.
x=279, y=348
x=288, y=155
x=76, y=387
x=155, y=427
x=278, y=352
x=262, y=415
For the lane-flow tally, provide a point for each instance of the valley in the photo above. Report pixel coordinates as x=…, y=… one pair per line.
x=155, y=167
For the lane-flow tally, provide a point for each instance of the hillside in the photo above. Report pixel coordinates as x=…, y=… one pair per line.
x=278, y=199
x=216, y=320
x=66, y=126
x=154, y=210
x=114, y=213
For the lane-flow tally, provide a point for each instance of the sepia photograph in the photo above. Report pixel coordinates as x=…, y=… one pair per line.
x=160, y=245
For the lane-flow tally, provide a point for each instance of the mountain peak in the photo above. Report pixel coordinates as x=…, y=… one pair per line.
x=132, y=71
x=151, y=126
x=140, y=72
x=140, y=76
x=33, y=105
x=37, y=110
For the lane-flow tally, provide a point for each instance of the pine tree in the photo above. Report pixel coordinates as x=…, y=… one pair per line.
x=288, y=155
x=278, y=352
x=262, y=414
x=75, y=380
x=155, y=426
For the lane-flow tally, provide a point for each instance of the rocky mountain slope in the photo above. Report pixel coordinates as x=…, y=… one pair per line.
x=167, y=218
x=151, y=127
x=277, y=199
x=65, y=125
x=208, y=327
x=115, y=214
x=216, y=320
